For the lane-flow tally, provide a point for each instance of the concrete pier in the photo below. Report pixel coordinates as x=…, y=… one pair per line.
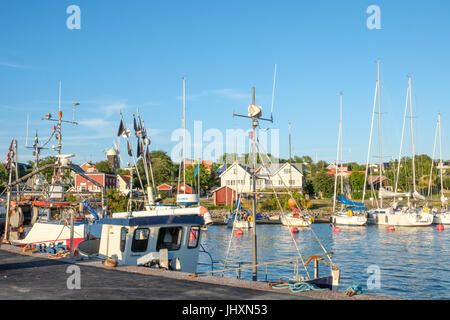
x=36, y=277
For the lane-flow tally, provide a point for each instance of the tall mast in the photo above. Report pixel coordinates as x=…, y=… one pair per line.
x=254, y=113
x=290, y=157
x=337, y=155
x=440, y=157
x=342, y=152
x=184, y=135
x=379, y=136
x=412, y=135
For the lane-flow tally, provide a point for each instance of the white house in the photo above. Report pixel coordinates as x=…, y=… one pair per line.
x=279, y=176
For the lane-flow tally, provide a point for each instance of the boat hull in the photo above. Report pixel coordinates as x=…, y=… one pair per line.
x=401, y=219
x=346, y=220
x=442, y=218
x=290, y=221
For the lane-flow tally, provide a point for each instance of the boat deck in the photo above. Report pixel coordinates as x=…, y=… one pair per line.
x=35, y=277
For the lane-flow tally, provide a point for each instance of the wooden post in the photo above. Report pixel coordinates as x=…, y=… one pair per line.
x=72, y=212
x=316, y=268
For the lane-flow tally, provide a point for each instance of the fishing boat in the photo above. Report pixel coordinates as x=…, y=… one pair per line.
x=354, y=213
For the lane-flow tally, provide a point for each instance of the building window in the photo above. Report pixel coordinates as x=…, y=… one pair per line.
x=194, y=236
x=169, y=238
x=140, y=240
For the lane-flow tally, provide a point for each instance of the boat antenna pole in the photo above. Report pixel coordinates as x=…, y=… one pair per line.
x=254, y=113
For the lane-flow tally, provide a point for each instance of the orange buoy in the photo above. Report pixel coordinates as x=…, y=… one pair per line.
x=294, y=230
x=239, y=232
x=391, y=228
x=291, y=202
x=440, y=227
x=336, y=229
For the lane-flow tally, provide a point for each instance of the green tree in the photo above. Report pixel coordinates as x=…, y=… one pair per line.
x=104, y=166
x=116, y=202
x=323, y=183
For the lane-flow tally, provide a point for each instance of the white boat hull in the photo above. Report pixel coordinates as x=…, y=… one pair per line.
x=346, y=220
x=442, y=218
x=402, y=219
x=291, y=221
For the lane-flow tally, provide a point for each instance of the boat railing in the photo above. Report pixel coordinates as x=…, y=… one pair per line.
x=239, y=266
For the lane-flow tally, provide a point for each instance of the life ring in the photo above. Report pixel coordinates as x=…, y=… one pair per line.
x=249, y=218
x=427, y=210
x=350, y=212
x=311, y=219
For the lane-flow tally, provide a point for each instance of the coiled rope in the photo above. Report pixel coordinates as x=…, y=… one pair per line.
x=298, y=287
x=354, y=290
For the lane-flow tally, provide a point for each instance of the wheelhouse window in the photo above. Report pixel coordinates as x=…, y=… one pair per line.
x=140, y=240
x=169, y=238
x=123, y=238
x=194, y=236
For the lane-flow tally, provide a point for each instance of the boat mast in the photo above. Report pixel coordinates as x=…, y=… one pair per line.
x=379, y=136
x=337, y=155
x=342, y=152
x=440, y=160
x=184, y=135
x=254, y=113
x=412, y=136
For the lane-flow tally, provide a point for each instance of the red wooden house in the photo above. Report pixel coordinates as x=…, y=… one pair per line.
x=224, y=196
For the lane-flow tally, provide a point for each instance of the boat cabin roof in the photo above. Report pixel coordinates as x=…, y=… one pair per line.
x=154, y=220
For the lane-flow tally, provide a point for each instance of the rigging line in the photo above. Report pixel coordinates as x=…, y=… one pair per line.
x=432, y=160
x=238, y=204
x=292, y=236
x=320, y=243
x=370, y=144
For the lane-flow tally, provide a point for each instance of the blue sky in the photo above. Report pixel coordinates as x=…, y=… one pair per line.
x=134, y=54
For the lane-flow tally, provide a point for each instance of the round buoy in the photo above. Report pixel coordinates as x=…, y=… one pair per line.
x=336, y=229
x=238, y=232
x=291, y=202
x=294, y=230
x=390, y=228
x=440, y=227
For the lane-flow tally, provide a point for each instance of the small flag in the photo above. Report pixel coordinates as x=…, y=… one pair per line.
x=121, y=128
x=130, y=152
x=196, y=169
x=222, y=168
x=36, y=141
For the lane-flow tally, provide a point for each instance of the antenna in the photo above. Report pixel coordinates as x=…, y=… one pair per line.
x=254, y=113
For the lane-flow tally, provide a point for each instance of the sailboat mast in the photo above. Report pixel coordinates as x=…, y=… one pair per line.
x=290, y=157
x=342, y=152
x=412, y=135
x=254, y=249
x=184, y=135
x=440, y=157
x=337, y=163
x=379, y=135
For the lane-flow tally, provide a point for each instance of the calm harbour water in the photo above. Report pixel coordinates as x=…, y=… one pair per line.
x=413, y=261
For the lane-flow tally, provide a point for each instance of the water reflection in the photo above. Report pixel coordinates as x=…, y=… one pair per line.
x=412, y=260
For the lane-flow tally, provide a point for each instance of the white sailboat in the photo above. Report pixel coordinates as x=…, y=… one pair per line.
x=295, y=218
x=409, y=216
x=354, y=213
x=440, y=215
